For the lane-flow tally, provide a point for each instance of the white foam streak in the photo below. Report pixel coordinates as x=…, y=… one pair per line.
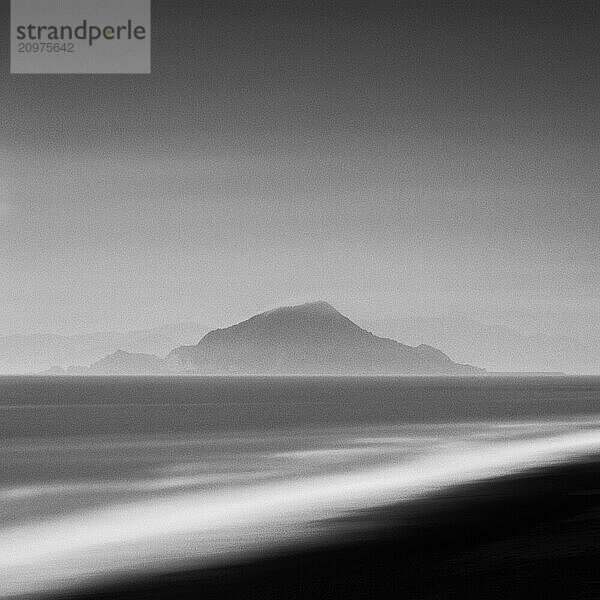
x=205, y=525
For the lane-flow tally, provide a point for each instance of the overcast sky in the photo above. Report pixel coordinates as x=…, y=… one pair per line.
x=400, y=158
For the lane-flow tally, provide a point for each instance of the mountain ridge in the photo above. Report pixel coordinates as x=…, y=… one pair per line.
x=310, y=338
x=128, y=363
x=35, y=353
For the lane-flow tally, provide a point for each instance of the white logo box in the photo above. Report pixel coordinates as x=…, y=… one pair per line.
x=80, y=36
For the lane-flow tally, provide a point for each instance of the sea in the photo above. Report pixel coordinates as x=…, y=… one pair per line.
x=105, y=478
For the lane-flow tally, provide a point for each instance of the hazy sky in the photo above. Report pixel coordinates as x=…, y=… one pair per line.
x=392, y=158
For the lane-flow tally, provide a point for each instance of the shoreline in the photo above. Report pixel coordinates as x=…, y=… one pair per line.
x=532, y=534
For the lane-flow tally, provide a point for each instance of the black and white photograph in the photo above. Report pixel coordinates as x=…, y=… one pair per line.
x=299, y=300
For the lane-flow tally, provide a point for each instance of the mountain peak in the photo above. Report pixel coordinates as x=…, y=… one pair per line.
x=315, y=307
x=310, y=318
x=128, y=363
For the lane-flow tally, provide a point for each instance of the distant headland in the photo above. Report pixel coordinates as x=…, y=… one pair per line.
x=306, y=339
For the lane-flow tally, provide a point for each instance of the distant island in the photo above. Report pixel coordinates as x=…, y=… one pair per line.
x=307, y=339
x=312, y=338
x=59, y=354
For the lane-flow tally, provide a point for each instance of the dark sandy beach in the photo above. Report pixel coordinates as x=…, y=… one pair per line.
x=532, y=535
x=299, y=488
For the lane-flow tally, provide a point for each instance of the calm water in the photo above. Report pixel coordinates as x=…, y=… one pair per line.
x=104, y=477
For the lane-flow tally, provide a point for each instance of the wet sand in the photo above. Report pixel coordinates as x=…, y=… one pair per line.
x=531, y=535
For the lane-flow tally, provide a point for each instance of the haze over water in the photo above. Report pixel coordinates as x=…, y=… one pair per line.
x=104, y=478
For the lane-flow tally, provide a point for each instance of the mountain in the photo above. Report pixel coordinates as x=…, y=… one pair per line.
x=311, y=338
x=495, y=347
x=39, y=352
x=55, y=370
x=127, y=363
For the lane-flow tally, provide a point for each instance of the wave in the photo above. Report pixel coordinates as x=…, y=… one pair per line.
x=218, y=519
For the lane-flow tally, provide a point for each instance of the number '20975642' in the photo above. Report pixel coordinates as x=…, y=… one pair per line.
x=36, y=47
